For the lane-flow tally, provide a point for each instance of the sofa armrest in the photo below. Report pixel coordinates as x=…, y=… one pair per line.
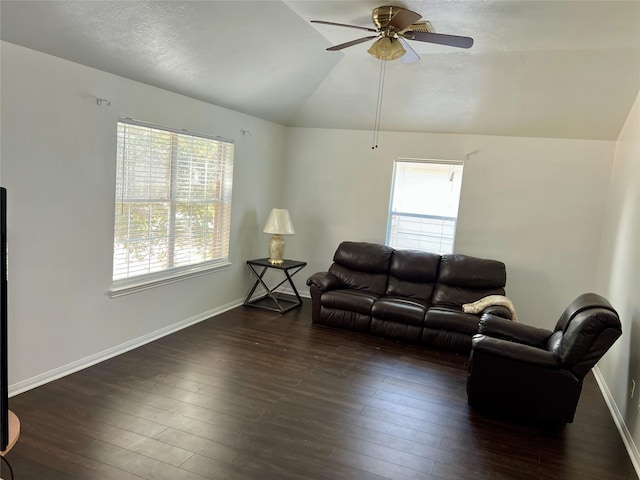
x=498, y=327
x=482, y=344
x=498, y=311
x=323, y=281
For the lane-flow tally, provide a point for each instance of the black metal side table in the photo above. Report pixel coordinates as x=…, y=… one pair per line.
x=290, y=268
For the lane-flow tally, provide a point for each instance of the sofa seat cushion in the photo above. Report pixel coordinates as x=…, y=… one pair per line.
x=448, y=319
x=357, y=301
x=399, y=310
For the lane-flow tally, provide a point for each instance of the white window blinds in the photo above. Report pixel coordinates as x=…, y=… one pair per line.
x=424, y=205
x=173, y=200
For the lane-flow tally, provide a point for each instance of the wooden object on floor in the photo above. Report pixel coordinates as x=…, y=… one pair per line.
x=255, y=395
x=14, y=432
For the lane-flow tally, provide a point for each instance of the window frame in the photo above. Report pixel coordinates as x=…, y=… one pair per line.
x=130, y=284
x=391, y=213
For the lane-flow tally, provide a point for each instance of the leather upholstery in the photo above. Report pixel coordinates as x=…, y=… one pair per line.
x=465, y=279
x=400, y=310
x=375, y=283
x=455, y=296
x=362, y=266
x=471, y=272
x=446, y=339
x=398, y=331
x=364, y=257
x=347, y=299
x=413, y=274
x=450, y=319
x=392, y=293
x=583, y=302
x=530, y=373
x=345, y=319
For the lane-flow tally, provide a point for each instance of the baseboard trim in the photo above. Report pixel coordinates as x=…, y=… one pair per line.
x=303, y=292
x=618, y=419
x=85, y=362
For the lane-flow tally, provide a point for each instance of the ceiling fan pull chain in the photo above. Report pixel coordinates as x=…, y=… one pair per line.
x=376, y=128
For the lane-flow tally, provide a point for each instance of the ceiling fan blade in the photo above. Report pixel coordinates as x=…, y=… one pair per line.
x=411, y=55
x=404, y=18
x=344, y=25
x=351, y=43
x=440, y=38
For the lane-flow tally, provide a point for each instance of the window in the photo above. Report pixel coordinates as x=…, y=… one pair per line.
x=424, y=205
x=173, y=203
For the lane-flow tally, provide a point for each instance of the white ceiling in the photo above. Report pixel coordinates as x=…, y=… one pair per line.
x=545, y=68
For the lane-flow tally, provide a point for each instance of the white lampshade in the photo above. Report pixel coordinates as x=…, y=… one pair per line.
x=279, y=222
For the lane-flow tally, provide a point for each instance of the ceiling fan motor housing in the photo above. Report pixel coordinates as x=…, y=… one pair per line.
x=381, y=17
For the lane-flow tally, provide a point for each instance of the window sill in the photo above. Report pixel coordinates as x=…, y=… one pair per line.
x=145, y=282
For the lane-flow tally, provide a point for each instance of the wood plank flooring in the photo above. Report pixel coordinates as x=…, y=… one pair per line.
x=252, y=394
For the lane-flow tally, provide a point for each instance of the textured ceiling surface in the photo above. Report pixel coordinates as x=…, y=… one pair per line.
x=544, y=68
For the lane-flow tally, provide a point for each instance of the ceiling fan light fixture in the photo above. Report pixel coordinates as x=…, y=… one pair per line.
x=387, y=48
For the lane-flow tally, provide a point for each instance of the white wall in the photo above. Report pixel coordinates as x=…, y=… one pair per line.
x=58, y=165
x=618, y=275
x=536, y=204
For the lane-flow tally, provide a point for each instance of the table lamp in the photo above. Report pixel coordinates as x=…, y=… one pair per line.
x=278, y=223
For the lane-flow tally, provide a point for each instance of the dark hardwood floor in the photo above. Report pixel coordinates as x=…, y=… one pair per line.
x=252, y=394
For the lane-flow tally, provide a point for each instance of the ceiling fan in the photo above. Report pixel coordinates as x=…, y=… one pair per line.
x=394, y=25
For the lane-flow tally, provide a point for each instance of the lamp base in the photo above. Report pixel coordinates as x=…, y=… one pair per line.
x=276, y=249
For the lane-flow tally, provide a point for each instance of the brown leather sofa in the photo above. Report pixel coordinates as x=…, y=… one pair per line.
x=405, y=294
x=522, y=372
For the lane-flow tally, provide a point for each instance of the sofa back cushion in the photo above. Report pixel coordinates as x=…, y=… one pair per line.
x=464, y=279
x=413, y=274
x=362, y=266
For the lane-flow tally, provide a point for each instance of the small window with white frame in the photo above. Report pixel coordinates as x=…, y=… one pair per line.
x=172, y=205
x=423, y=210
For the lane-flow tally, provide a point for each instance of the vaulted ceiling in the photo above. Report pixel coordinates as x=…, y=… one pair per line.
x=563, y=69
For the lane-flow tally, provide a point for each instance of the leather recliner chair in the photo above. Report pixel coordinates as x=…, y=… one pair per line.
x=532, y=374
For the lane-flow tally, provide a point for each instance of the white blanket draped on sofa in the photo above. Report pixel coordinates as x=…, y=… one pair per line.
x=488, y=301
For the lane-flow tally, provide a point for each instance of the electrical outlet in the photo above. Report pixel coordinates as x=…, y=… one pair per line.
x=633, y=387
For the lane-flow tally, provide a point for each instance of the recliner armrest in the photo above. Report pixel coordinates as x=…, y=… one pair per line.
x=498, y=327
x=514, y=351
x=323, y=281
x=498, y=311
